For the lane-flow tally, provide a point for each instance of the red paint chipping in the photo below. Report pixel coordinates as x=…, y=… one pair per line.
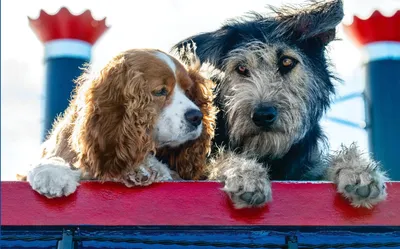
x=64, y=25
x=377, y=28
x=190, y=203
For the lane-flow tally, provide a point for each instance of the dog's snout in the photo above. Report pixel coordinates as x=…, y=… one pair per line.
x=194, y=117
x=264, y=115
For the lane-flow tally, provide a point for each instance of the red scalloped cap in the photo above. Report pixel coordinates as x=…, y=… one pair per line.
x=374, y=29
x=65, y=25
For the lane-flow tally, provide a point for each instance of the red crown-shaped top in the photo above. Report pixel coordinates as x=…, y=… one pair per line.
x=64, y=25
x=374, y=29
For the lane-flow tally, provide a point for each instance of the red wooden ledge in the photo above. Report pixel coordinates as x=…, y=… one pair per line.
x=191, y=203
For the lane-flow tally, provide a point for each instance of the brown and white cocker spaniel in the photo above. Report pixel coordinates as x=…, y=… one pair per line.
x=143, y=106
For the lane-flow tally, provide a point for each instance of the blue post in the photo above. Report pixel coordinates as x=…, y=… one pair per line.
x=382, y=95
x=63, y=65
x=379, y=38
x=68, y=41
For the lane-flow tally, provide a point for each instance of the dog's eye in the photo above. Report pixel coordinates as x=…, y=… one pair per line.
x=242, y=70
x=162, y=92
x=286, y=64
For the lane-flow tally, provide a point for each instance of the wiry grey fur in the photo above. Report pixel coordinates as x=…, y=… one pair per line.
x=294, y=146
x=241, y=95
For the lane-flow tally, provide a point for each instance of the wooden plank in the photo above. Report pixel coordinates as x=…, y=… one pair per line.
x=191, y=203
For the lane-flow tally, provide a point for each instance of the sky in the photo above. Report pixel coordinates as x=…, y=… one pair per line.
x=145, y=24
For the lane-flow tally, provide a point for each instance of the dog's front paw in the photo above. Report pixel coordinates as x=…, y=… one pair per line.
x=54, y=178
x=363, y=189
x=151, y=171
x=248, y=185
x=143, y=176
x=358, y=178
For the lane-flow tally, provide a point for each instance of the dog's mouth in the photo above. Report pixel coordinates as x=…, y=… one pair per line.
x=262, y=130
x=266, y=129
x=180, y=140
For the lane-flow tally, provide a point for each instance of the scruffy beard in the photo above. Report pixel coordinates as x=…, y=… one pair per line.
x=253, y=140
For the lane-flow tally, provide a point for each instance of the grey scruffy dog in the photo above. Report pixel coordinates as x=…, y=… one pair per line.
x=274, y=85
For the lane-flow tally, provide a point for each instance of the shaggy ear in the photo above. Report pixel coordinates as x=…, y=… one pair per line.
x=209, y=47
x=114, y=124
x=190, y=159
x=316, y=21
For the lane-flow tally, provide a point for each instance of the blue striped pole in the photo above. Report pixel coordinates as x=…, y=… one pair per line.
x=382, y=96
x=64, y=59
x=68, y=41
x=379, y=38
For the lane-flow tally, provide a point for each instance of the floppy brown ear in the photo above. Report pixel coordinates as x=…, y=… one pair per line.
x=112, y=132
x=190, y=159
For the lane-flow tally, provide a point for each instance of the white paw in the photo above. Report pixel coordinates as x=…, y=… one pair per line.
x=142, y=176
x=358, y=178
x=248, y=185
x=363, y=189
x=163, y=171
x=54, y=178
x=149, y=172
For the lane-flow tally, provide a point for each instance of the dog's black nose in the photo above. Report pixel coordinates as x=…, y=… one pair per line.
x=194, y=117
x=264, y=115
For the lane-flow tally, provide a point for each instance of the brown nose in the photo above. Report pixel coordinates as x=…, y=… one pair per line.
x=194, y=117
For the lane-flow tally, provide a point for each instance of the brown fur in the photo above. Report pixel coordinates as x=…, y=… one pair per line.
x=107, y=129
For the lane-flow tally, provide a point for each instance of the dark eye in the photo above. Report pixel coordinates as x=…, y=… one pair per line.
x=162, y=92
x=242, y=70
x=286, y=64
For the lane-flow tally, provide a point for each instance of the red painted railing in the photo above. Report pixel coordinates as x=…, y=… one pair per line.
x=191, y=203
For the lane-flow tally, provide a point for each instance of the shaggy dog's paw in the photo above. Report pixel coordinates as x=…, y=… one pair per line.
x=363, y=189
x=151, y=171
x=358, y=178
x=248, y=186
x=54, y=178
